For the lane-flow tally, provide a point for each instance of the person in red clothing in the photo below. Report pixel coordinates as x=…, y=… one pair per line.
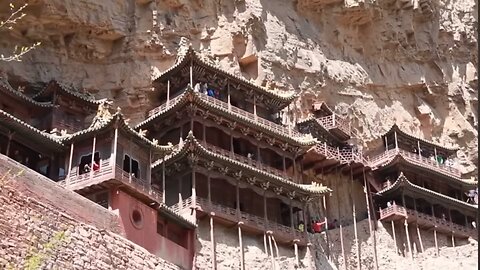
x=95, y=166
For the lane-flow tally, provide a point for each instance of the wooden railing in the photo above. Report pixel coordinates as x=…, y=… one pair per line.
x=335, y=121
x=393, y=209
x=440, y=223
x=104, y=170
x=138, y=184
x=415, y=158
x=344, y=156
x=165, y=106
x=251, y=220
x=250, y=116
x=248, y=161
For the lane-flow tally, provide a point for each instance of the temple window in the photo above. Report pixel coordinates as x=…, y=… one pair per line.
x=86, y=163
x=131, y=166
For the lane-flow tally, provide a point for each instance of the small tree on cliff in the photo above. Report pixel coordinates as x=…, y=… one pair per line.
x=15, y=15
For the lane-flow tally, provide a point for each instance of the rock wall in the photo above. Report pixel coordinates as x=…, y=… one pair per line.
x=464, y=254
x=377, y=61
x=34, y=234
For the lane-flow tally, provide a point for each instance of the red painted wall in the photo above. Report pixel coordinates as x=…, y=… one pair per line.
x=144, y=233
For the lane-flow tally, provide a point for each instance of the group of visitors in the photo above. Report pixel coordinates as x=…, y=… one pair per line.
x=317, y=226
x=436, y=158
x=86, y=168
x=204, y=89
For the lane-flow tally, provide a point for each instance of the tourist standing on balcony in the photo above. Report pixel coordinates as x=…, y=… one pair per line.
x=197, y=88
x=210, y=92
x=95, y=166
x=389, y=204
x=204, y=88
x=301, y=226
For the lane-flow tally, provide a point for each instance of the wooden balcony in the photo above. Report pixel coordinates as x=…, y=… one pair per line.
x=247, y=161
x=109, y=174
x=251, y=223
x=337, y=125
x=414, y=158
x=400, y=213
x=342, y=156
x=286, y=131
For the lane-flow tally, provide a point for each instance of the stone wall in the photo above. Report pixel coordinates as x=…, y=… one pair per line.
x=35, y=234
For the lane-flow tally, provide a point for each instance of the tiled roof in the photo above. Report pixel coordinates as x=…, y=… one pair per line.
x=319, y=127
x=189, y=96
x=191, y=56
x=171, y=213
x=458, y=180
x=192, y=145
x=8, y=89
x=69, y=90
x=394, y=128
x=30, y=131
x=402, y=181
x=110, y=123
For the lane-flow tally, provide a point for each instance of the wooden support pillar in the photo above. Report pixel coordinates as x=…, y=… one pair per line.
x=163, y=180
x=10, y=136
x=265, y=208
x=294, y=170
x=228, y=96
x=240, y=244
x=237, y=199
x=435, y=153
x=396, y=140
x=272, y=259
x=408, y=239
x=212, y=240
x=113, y=159
x=204, y=133
x=93, y=155
x=435, y=231
x=295, y=250
x=284, y=165
x=453, y=239
x=343, y=248
x=386, y=144
x=231, y=142
x=255, y=106
x=67, y=179
x=291, y=217
x=191, y=75
x=149, y=169
x=209, y=187
x=419, y=150
x=168, y=92
x=354, y=219
x=194, y=191
x=326, y=225
x=130, y=161
x=394, y=236
x=416, y=223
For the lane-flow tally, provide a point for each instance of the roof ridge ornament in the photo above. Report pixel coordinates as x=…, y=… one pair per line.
x=103, y=115
x=184, y=46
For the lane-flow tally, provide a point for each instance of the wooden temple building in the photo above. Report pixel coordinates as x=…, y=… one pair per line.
x=417, y=185
x=217, y=147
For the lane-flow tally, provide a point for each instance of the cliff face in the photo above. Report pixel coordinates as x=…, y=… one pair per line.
x=378, y=62
x=410, y=62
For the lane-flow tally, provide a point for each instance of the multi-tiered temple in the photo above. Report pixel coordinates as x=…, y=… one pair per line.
x=236, y=162
x=418, y=184
x=217, y=146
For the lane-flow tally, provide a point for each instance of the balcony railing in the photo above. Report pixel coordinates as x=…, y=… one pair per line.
x=440, y=223
x=104, y=170
x=334, y=121
x=165, y=106
x=416, y=159
x=259, y=120
x=245, y=160
x=105, y=174
x=343, y=156
x=251, y=220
